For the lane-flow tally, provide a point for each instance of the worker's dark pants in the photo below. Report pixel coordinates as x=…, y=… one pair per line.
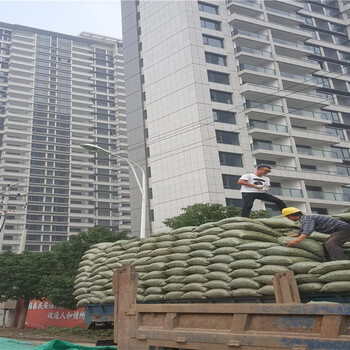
x=250, y=197
x=333, y=245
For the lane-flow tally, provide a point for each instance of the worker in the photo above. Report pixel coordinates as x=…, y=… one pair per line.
x=338, y=230
x=254, y=186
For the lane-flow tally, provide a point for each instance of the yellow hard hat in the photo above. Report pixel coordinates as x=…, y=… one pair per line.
x=289, y=211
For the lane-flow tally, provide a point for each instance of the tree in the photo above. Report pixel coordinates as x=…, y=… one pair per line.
x=66, y=256
x=200, y=213
x=21, y=278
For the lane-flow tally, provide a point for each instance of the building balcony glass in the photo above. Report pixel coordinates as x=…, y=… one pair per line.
x=253, y=51
x=264, y=106
x=284, y=13
x=266, y=126
x=291, y=43
x=331, y=196
x=270, y=147
x=250, y=34
x=317, y=115
x=268, y=71
x=317, y=153
x=246, y=3
x=286, y=192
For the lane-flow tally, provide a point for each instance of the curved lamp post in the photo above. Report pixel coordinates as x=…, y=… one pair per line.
x=141, y=185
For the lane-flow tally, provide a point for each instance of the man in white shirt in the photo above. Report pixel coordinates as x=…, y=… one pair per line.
x=254, y=186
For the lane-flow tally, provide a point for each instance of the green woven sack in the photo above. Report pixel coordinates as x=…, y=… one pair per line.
x=154, y=267
x=198, y=261
x=193, y=287
x=266, y=290
x=227, y=242
x=251, y=226
x=218, y=275
x=201, y=253
x=202, y=245
x=176, y=263
x=309, y=287
x=217, y=293
x=175, y=279
x=246, y=254
x=219, y=267
x=271, y=269
x=221, y=258
x=303, y=267
x=253, y=236
x=206, y=238
x=216, y=284
x=179, y=271
x=275, y=260
x=194, y=269
x=193, y=295
x=244, y=264
x=173, y=287
x=306, y=278
x=287, y=251
x=245, y=292
x=244, y=282
x=225, y=250
x=173, y=295
x=243, y=273
x=183, y=229
x=331, y=266
x=256, y=245
x=335, y=276
x=307, y=244
x=343, y=286
x=182, y=249
x=195, y=278
x=279, y=222
x=204, y=227
x=264, y=279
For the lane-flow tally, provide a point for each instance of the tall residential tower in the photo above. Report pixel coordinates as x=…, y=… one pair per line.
x=216, y=87
x=56, y=93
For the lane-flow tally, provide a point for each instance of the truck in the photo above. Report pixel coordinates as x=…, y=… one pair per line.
x=287, y=323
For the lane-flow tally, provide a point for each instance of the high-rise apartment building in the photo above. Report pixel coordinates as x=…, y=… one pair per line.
x=216, y=87
x=56, y=93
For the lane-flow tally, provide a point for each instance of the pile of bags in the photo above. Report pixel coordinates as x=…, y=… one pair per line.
x=234, y=257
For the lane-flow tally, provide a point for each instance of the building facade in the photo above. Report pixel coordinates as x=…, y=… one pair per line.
x=216, y=87
x=56, y=93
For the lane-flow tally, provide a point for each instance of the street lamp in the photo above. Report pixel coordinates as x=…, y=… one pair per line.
x=141, y=186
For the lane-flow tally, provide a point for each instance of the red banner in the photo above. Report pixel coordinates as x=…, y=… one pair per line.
x=43, y=314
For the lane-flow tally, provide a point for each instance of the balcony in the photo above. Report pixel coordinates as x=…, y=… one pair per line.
x=309, y=114
x=247, y=8
x=270, y=147
x=291, y=44
x=317, y=153
x=264, y=109
x=248, y=67
x=330, y=196
x=285, y=192
x=249, y=34
x=257, y=52
x=267, y=126
x=284, y=13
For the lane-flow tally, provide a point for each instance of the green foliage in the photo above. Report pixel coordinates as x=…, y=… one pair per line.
x=22, y=275
x=200, y=213
x=65, y=259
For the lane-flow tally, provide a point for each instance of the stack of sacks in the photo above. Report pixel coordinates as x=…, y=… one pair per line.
x=235, y=257
x=334, y=276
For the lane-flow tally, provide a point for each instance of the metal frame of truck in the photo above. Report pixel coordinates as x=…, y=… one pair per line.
x=286, y=324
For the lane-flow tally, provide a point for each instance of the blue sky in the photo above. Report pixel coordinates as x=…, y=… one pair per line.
x=65, y=16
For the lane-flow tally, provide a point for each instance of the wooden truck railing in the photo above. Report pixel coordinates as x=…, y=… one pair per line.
x=287, y=324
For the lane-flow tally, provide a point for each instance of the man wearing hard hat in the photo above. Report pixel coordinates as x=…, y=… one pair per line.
x=338, y=230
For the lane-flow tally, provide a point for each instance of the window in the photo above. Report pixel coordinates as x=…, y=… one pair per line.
x=213, y=41
x=230, y=182
x=221, y=96
x=227, y=137
x=231, y=159
x=335, y=132
x=208, y=8
x=233, y=202
x=215, y=59
x=341, y=153
x=224, y=116
x=321, y=211
x=308, y=167
x=216, y=77
x=210, y=24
